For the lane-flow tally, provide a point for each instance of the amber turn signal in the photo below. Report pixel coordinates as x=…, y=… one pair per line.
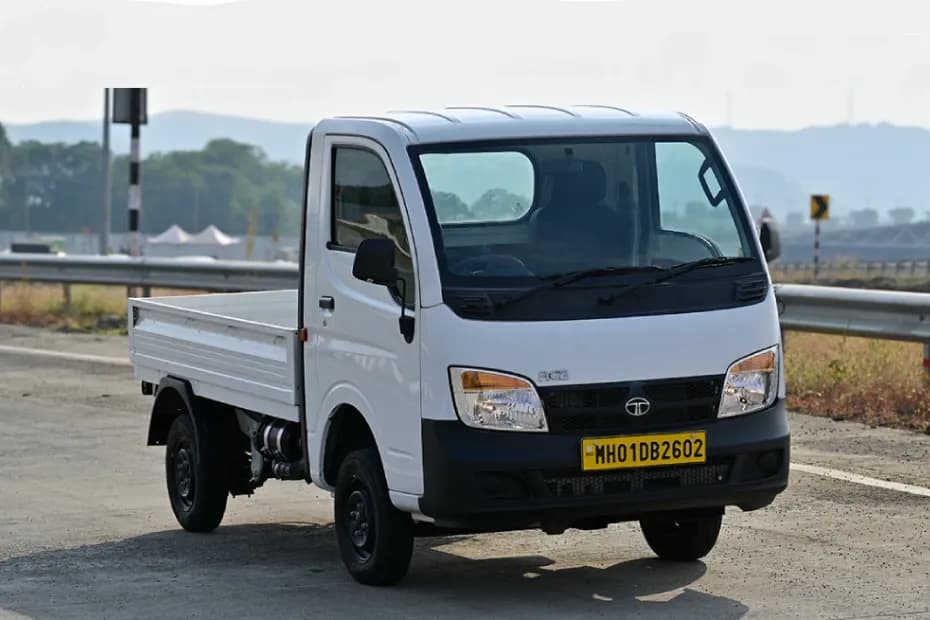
x=478, y=380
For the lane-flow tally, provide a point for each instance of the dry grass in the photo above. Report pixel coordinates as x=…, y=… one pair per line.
x=92, y=307
x=44, y=305
x=878, y=382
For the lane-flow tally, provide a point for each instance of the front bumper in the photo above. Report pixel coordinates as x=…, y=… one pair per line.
x=490, y=480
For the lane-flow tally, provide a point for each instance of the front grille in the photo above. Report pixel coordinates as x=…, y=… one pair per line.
x=635, y=480
x=600, y=408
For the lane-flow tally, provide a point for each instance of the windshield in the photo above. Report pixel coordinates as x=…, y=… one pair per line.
x=516, y=214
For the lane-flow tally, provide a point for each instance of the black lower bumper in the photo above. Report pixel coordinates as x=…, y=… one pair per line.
x=489, y=480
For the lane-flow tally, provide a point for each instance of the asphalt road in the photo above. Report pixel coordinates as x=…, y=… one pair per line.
x=86, y=530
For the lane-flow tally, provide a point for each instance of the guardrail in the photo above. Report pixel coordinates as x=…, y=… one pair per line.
x=857, y=312
x=891, y=315
x=179, y=273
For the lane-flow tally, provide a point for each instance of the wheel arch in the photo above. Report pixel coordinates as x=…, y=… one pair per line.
x=174, y=397
x=346, y=430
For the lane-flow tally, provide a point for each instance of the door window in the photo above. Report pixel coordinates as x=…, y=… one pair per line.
x=365, y=206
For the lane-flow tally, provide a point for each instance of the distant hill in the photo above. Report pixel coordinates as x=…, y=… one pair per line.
x=860, y=166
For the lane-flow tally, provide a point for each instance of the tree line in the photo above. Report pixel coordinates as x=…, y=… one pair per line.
x=58, y=188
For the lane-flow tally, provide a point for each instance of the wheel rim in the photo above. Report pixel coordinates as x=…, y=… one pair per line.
x=183, y=469
x=360, y=523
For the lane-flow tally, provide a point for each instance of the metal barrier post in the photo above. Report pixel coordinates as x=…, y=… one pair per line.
x=816, y=248
x=926, y=362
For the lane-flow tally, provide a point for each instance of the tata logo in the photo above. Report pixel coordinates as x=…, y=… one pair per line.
x=637, y=406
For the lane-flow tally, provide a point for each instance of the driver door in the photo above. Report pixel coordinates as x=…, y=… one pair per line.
x=359, y=355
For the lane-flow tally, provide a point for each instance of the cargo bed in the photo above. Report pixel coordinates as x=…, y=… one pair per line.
x=236, y=348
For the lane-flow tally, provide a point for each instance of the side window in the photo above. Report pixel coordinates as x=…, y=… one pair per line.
x=365, y=206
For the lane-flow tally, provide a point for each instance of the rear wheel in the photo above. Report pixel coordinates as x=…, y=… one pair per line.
x=375, y=539
x=681, y=539
x=194, y=473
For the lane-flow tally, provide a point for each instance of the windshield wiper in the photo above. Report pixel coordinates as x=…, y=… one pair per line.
x=564, y=279
x=674, y=272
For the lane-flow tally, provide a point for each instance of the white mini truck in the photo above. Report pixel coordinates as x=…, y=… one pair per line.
x=507, y=318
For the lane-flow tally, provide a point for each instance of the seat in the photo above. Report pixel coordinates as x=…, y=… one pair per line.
x=577, y=215
x=575, y=193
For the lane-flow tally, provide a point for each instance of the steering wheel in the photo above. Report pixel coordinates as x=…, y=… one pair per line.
x=491, y=264
x=709, y=243
x=696, y=240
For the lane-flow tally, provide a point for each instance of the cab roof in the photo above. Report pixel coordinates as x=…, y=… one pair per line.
x=477, y=123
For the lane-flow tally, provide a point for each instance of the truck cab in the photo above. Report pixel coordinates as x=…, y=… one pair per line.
x=507, y=318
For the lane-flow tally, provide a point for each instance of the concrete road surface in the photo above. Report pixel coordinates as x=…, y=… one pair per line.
x=86, y=530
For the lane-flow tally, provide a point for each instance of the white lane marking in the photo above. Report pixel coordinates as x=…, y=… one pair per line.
x=857, y=479
x=77, y=357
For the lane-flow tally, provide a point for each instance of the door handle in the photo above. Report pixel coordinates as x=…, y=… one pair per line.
x=327, y=303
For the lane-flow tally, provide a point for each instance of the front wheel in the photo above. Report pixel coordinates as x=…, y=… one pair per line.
x=681, y=539
x=196, y=485
x=375, y=539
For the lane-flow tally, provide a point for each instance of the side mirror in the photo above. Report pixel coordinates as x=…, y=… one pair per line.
x=374, y=262
x=771, y=243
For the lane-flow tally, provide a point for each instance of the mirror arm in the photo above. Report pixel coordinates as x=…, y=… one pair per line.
x=405, y=322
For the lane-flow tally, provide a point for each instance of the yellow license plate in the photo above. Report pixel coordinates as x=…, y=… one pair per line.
x=643, y=450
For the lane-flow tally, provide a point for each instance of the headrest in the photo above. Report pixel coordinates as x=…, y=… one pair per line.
x=582, y=185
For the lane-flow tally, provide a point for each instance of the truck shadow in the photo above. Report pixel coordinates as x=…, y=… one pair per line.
x=294, y=570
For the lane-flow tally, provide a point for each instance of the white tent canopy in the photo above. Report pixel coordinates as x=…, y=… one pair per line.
x=213, y=236
x=175, y=235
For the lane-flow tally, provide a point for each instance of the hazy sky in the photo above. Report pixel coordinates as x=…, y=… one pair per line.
x=754, y=63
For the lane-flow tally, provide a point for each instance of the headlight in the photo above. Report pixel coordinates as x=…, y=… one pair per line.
x=496, y=401
x=751, y=384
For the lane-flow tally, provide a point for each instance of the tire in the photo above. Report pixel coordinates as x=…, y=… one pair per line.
x=681, y=540
x=196, y=485
x=375, y=538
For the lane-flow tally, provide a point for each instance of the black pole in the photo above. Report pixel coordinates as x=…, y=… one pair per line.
x=129, y=107
x=135, y=190
x=106, y=163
